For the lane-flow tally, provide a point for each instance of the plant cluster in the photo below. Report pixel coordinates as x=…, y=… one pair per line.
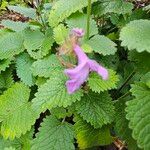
x=36, y=47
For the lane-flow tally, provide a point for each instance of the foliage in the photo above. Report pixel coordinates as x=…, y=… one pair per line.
x=36, y=46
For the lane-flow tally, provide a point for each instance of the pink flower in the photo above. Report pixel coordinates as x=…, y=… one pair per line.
x=80, y=73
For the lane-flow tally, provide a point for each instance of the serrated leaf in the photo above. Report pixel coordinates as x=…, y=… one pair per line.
x=10, y=45
x=54, y=93
x=88, y=137
x=121, y=125
x=37, y=44
x=27, y=12
x=102, y=45
x=60, y=33
x=138, y=114
x=63, y=9
x=54, y=135
x=9, y=148
x=15, y=26
x=79, y=20
x=97, y=84
x=47, y=66
x=4, y=64
x=96, y=109
x=23, y=65
x=114, y=6
x=6, y=79
x=135, y=35
x=22, y=143
x=16, y=113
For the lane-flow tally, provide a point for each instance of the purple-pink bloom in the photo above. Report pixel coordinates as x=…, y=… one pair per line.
x=79, y=74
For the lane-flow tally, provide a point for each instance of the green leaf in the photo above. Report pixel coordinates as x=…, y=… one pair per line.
x=27, y=12
x=88, y=137
x=79, y=20
x=15, y=26
x=54, y=135
x=115, y=6
x=37, y=44
x=63, y=9
x=23, y=65
x=121, y=125
x=4, y=64
x=47, y=66
x=141, y=61
x=22, y=143
x=102, y=45
x=16, y=113
x=54, y=93
x=138, y=114
x=97, y=84
x=10, y=45
x=96, y=109
x=9, y=148
x=135, y=35
x=60, y=33
x=6, y=79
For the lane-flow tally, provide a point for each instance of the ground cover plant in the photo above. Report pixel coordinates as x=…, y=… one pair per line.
x=75, y=74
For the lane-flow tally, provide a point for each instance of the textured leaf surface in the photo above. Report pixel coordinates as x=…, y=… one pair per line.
x=135, y=35
x=102, y=45
x=47, y=66
x=4, y=64
x=27, y=12
x=138, y=114
x=98, y=85
x=16, y=114
x=88, y=137
x=79, y=20
x=37, y=44
x=6, y=79
x=114, y=6
x=60, y=33
x=121, y=125
x=22, y=143
x=63, y=9
x=15, y=26
x=96, y=109
x=54, y=135
x=54, y=93
x=23, y=64
x=10, y=44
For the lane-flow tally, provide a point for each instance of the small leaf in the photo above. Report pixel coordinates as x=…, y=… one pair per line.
x=4, y=64
x=102, y=45
x=54, y=135
x=23, y=64
x=135, y=35
x=88, y=137
x=96, y=109
x=60, y=33
x=97, y=84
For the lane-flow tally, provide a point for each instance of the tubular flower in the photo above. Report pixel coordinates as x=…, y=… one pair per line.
x=80, y=73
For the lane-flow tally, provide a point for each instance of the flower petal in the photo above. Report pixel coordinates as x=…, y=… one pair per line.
x=94, y=66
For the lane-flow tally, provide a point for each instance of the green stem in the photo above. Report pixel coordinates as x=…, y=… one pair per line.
x=88, y=18
x=126, y=81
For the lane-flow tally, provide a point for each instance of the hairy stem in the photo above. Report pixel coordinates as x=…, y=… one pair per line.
x=88, y=18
